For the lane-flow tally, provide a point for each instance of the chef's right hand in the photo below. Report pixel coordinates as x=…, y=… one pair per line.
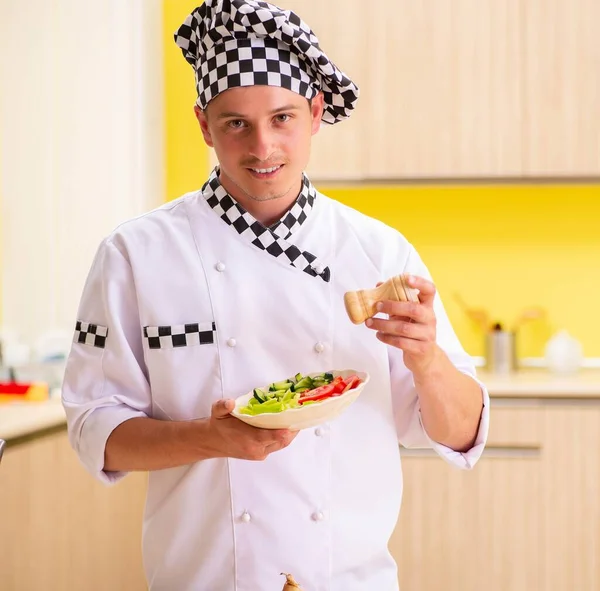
x=233, y=438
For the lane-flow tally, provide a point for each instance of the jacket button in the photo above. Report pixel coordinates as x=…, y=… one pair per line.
x=220, y=267
x=318, y=432
x=231, y=342
x=246, y=517
x=318, y=516
x=319, y=347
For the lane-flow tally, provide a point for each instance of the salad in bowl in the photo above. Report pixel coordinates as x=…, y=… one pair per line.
x=301, y=401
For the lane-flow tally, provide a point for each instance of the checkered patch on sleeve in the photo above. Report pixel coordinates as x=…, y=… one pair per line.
x=93, y=335
x=181, y=335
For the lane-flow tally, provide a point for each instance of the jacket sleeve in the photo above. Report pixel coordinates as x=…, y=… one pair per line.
x=105, y=379
x=407, y=411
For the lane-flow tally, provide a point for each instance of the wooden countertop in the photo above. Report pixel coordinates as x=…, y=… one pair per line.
x=26, y=420
x=532, y=383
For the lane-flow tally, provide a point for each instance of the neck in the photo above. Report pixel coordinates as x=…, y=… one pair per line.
x=267, y=210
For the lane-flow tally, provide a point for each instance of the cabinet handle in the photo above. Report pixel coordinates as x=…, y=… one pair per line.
x=490, y=452
x=512, y=451
x=541, y=401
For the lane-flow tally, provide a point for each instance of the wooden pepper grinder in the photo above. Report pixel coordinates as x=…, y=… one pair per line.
x=360, y=305
x=290, y=584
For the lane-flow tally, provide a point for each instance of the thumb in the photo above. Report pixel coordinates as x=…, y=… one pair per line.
x=222, y=408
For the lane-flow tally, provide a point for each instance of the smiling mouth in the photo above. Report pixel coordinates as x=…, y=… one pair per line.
x=265, y=173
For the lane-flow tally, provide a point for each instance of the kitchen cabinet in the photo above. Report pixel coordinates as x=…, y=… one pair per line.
x=468, y=531
x=60, y=529
x=443, y=92
x=570, y=499
x=526, y=518
x=462, y=89
x=560, y=77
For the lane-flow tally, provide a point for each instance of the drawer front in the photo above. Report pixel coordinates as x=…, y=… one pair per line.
x=517, y=427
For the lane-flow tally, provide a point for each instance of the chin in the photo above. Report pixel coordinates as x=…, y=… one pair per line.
x=268, y=188
x=267, y=194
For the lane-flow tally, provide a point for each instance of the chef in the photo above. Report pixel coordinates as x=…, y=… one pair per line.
x=239, y=284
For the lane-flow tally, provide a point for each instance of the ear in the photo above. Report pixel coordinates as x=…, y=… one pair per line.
x=316, y=109
x=203, y=120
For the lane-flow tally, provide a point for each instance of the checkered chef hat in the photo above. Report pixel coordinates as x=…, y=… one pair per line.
x=249, y=42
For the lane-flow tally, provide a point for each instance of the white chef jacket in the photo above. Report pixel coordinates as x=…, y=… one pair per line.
x=325, y=507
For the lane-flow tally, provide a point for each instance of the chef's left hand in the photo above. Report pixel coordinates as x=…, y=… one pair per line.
x=411, y=326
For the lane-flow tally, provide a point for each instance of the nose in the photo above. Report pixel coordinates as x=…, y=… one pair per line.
x=262, y=143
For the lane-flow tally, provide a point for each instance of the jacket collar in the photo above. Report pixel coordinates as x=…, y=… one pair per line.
x=273, y=239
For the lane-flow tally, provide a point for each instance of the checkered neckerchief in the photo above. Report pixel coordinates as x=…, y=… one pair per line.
x=273, y=239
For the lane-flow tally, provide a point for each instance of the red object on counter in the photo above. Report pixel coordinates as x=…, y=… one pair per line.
x=14, y=388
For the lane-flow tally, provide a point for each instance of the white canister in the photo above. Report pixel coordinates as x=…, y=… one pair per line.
x=563, y=353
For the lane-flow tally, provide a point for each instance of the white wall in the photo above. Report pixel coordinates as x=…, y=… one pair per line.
x=81, y=131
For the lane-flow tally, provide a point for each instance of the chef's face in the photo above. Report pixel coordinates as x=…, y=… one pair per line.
x=262, y=137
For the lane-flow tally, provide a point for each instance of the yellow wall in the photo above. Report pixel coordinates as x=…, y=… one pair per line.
x=502, y=248
x=186, y=152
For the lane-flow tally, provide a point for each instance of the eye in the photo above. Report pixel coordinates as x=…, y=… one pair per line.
x=282, y=117
x=236, y=124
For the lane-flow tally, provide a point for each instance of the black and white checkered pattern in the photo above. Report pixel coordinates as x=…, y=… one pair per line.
x=274, y=239
x=249, y=62
x=233, y=43
x=181, y=335
x=93, y=335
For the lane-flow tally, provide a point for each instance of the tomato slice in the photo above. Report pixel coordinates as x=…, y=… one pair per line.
x=318, y=393
x=337, y=387
x=351, y=382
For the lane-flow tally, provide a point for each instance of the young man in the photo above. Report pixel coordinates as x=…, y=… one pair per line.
x=240, y=284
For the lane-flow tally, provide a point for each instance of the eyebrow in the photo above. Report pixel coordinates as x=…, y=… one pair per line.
x=232, y=114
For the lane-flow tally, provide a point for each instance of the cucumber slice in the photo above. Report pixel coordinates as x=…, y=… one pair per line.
x=280, y=385
x=304, y=383
x=260, y=395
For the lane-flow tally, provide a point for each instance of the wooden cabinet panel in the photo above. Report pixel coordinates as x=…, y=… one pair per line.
x=444, y=90
x=60, y=530
x=561, y=87
x=515, y=428
x=467, y=531
x=462, y=88
x=527, y=517
x=570, y=498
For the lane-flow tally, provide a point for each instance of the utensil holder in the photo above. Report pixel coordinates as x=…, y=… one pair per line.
x=500, y=353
